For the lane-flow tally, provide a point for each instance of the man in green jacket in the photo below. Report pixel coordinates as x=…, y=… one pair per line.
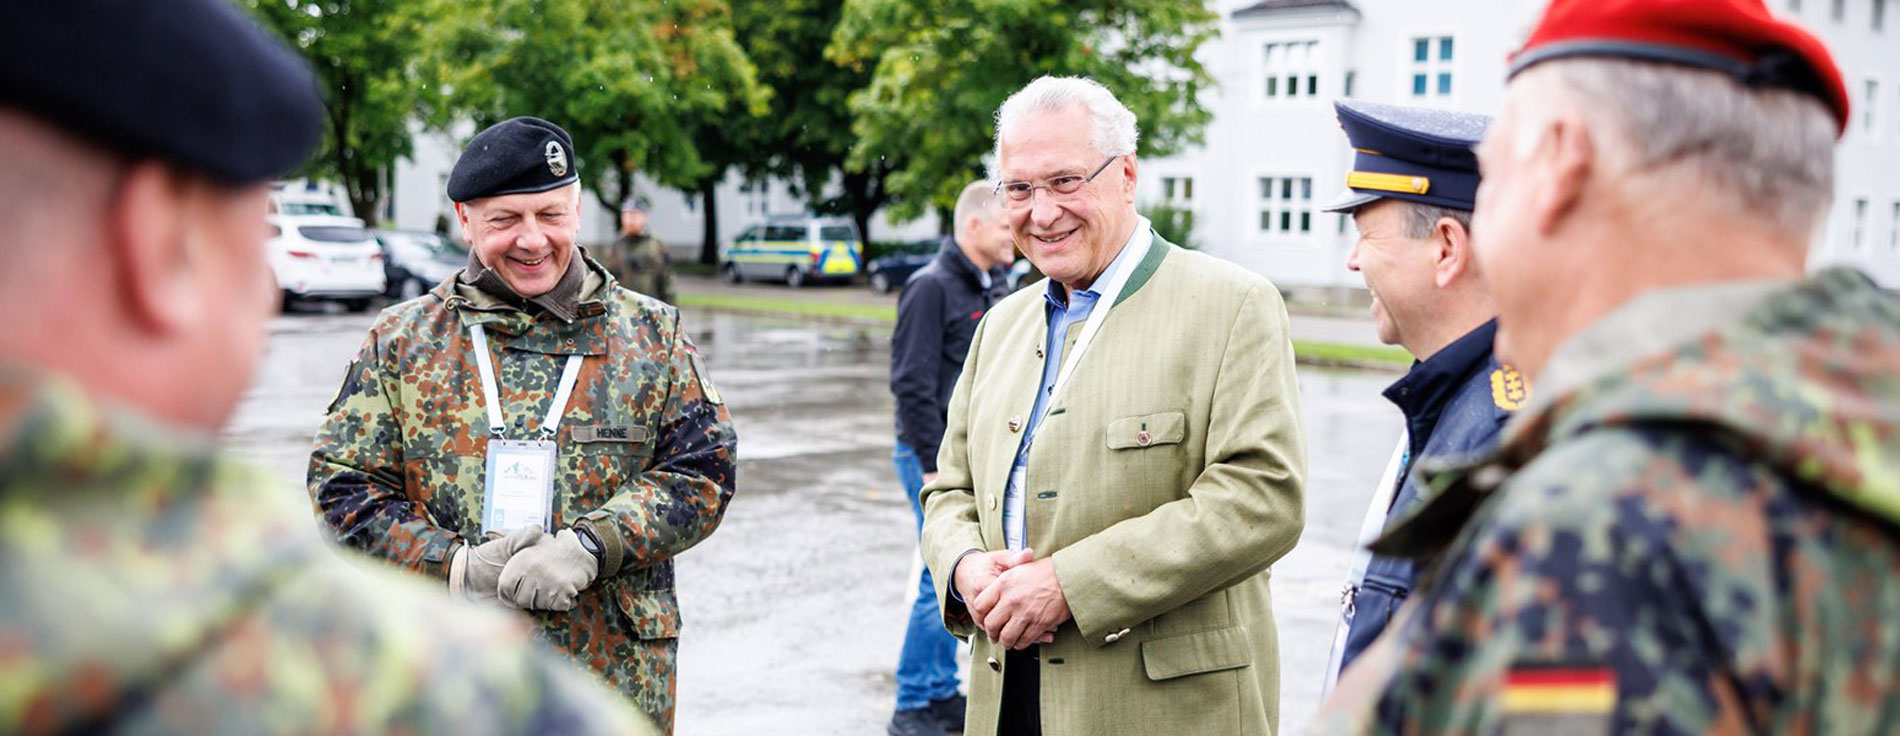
x=531, y=434
x=1123, y=460
x=151, y=585
x=1691, y=528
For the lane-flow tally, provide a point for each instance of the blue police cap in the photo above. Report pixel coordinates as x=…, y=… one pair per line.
x=1410, y=153
x=515, y=156
x=193, y=83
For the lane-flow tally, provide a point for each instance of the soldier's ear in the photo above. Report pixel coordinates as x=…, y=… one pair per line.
x=151, y=249
x=1564, y=158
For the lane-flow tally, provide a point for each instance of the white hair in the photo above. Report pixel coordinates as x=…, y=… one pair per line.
x=1112, y=126
x=1770, y=151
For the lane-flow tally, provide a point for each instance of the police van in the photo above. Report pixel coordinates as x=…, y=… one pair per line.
x=797, y=250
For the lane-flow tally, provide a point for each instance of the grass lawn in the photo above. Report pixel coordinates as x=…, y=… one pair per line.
x=1318, y=353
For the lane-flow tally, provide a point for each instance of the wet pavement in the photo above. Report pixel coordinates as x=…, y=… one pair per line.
x=795, y=608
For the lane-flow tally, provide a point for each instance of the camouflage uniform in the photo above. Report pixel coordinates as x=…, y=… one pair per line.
x=640, y=263
x=645, y=456
x=154, y=589
x=1696, y=539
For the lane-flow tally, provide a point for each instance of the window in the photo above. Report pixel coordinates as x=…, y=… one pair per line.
x=1838, y=11
x=1880, y=14
x=1178, y=189
x=1286, y=205
x=1870, y=106
x=1431, y=66
x=1893, y=234
x=1794, y=6
x=1351, y=76
x=756, y=198
x=1860, y=223
x=1292, y=69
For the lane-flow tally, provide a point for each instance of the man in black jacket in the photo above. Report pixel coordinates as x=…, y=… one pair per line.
x=936, y=317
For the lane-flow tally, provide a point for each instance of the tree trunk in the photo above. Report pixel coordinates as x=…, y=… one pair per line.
x=709, y=202
x=946, y=221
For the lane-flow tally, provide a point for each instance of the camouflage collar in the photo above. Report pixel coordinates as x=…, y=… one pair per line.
x=481, y=289
x=587, y=334
x=1803, y=380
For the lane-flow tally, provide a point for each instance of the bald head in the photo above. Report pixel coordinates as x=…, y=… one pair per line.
x=982, y=232
x=52, y=187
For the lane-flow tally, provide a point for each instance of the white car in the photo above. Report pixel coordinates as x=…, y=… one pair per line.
x=317, y=253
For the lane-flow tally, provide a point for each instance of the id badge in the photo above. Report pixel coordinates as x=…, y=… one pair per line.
x=518, y=489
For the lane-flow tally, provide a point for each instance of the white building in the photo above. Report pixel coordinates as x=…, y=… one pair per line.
x=1274, y=152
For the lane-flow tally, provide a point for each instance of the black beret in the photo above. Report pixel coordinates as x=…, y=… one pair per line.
x=191, y=82
x=515, y=156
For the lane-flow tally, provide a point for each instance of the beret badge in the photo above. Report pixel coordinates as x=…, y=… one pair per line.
x=557, y=159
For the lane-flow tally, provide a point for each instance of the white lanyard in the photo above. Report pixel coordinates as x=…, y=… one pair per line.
x=492, y=397
x=1138, y=245
x=1369, y=530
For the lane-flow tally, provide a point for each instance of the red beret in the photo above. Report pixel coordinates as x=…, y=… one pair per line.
x=1738, y=37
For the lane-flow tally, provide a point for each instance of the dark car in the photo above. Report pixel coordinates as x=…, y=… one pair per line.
x=891, y=271
x=414, y=262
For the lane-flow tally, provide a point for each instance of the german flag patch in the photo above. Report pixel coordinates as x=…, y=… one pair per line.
x=1558, y=700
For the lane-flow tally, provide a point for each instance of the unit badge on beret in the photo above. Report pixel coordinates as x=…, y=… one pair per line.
x=1508, y=389
x=557, y=159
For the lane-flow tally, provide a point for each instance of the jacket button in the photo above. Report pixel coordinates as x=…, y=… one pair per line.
x=1015, y=424
x=1144, y=439
x=1115, y=637
x=1038, y=352
x=992, y=502
x=995, y=666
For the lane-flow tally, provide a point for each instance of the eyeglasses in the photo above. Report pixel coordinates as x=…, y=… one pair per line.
x=1022, y=191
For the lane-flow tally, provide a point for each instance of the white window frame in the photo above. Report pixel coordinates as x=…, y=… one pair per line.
x=1287, y=211
x=1181, y=195
x=1871, y=107
x=1433, y=67
x=1893, y=230
x=1276, y=70
x=1857, y=209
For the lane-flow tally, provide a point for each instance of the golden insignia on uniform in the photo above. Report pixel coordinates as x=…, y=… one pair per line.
x=1508, y=389
x=557, y=159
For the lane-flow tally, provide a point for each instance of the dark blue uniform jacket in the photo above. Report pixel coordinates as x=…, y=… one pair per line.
x=1450, y=411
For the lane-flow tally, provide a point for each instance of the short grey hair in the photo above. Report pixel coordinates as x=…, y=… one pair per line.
x=978, y=197
x=1421, y=218
x=1112, y=126
x=1770, y=150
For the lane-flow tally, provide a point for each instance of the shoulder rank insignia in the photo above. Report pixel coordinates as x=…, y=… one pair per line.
x=1542, y=700
x=1508, y=389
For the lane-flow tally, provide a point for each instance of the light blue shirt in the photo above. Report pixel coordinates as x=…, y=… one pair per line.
x=1062, y=315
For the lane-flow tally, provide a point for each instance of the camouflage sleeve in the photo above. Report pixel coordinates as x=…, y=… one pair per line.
x=682, y=496
x=1577, y=605
x=356, y=472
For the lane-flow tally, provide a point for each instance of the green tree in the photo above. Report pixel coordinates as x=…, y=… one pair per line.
x=361, y=51
x=630, y=81
x=942, y=67
x=1173, y=222
x=808, y=135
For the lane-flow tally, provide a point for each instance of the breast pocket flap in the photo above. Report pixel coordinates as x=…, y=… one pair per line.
x=1148, y=430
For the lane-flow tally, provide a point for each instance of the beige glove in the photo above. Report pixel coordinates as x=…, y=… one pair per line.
x=475, y=573
x=548, y=576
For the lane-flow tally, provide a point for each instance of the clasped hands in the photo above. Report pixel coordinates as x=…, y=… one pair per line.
x=529, y=569
x=1013, y=596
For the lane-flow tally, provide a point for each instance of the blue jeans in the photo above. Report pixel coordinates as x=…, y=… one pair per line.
x=927, y=668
